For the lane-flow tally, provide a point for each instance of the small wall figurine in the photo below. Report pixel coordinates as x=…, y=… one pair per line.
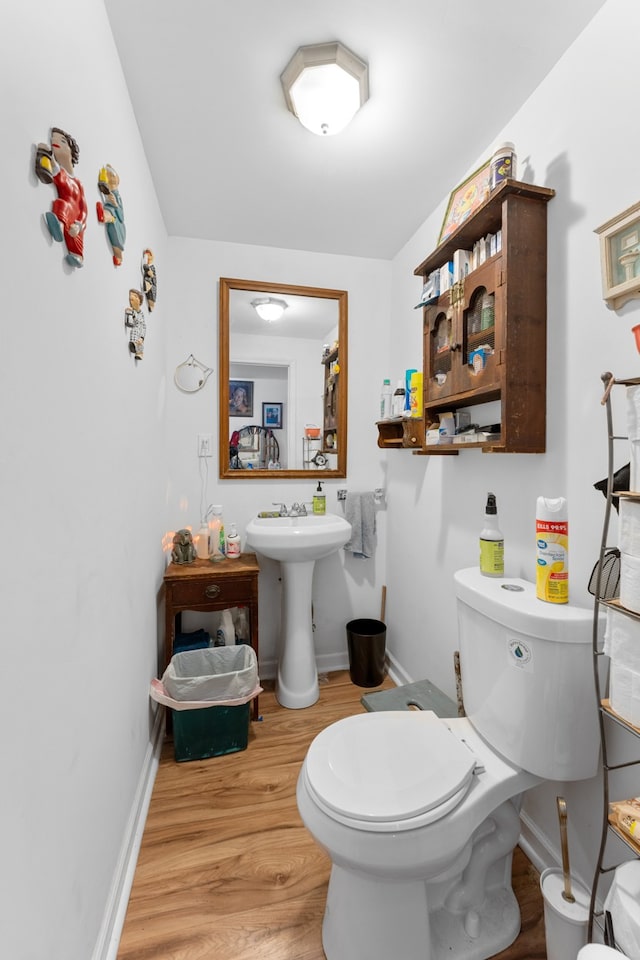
x=134, y=319
x=111, y=212
x=183, y=549
x=67, y=219
x=149, y=279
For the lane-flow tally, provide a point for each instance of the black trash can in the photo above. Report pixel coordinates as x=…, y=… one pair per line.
x=366, y=640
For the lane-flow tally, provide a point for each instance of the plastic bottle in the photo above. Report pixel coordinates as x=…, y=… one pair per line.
x=226, y=632
x=242, y=626
x=233, y=543
x=407, y=390
x=319, y=501
x=202, y=542
x=216, y=534
x=503, y=164
x=397, y=403
x=491, y=541
x=385, y=400
x=552, y=550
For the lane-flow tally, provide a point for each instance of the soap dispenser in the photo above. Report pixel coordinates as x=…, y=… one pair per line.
x=319, y=501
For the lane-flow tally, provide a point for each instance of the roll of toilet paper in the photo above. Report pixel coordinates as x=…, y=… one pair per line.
x=633, y=412
x=622, y=903
x=634, y=468
x=629, y=530
x=621, y=640
x=624, y=692
x=630, y=582
x=597, y=951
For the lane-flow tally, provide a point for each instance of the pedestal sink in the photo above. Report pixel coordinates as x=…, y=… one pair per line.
x=297, y=542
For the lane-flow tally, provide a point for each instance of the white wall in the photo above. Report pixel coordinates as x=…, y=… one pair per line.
x=576, y=135
x=344, y=587
x=82, y=483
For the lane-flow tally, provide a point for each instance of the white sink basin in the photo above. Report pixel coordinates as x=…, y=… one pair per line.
x=292, y=539
x=297, y=542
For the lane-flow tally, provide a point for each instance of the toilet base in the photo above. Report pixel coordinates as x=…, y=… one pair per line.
x=367, y=919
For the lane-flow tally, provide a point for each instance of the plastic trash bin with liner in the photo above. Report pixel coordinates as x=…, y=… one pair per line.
x=366, y=641
x=209, y=692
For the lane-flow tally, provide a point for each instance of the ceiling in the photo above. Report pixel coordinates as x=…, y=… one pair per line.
x=228, y=160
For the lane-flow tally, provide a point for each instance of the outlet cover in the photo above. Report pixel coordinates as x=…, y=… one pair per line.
x=205, y=444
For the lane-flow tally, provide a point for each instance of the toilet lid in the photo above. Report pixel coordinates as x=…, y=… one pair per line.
x=388, y=765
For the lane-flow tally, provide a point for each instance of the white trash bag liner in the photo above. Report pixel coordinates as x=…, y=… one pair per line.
x=212, y=674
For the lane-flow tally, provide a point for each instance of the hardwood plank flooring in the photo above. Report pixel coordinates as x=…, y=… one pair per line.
x=227, y=871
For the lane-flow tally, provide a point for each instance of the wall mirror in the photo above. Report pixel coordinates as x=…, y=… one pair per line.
x=283, y=382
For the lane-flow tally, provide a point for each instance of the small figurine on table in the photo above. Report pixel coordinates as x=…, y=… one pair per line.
x=67, y=219
x=149, y=278
x=183, y=549
x=134, y=319
x=111, y=212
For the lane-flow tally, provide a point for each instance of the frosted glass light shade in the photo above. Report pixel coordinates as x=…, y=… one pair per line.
x=324, y=85
x=269, y=308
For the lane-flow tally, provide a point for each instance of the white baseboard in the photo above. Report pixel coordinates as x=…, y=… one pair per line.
x=106, y=947
x=536, y=845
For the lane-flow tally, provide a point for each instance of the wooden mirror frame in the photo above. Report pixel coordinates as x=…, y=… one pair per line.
x=341, y=297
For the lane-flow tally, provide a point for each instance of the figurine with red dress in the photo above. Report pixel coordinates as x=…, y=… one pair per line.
x=67, y=219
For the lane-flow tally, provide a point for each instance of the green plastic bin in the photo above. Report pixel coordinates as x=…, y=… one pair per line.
x=210, y=732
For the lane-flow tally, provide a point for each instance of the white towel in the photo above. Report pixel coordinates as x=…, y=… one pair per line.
x=360, y=511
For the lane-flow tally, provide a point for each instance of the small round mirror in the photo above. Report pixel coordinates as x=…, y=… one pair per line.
x=191, y=375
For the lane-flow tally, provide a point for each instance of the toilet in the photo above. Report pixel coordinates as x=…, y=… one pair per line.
x=420, y=815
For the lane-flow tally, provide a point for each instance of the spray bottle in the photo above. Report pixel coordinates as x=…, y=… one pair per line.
x=552, y=550
x=491, y=541
x=217, y=541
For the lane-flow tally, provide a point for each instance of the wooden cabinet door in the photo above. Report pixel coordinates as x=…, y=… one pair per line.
x=480, y=324
x=439, y=349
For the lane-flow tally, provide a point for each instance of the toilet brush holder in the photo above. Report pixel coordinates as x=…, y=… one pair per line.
x=565, y=923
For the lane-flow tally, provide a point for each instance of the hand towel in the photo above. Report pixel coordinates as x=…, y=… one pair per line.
x=360, y=511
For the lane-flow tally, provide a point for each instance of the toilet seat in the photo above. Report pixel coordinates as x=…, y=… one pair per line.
x=389, y=767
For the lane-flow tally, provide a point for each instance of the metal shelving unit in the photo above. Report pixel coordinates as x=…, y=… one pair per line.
x=606, y=715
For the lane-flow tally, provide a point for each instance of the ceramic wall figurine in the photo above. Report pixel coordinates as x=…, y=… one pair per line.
x=111, y=212
x=183, y=549
x=149, y=279
x=67, y=219
x=134, y=319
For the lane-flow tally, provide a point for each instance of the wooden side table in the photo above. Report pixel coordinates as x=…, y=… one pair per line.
x=205, y=585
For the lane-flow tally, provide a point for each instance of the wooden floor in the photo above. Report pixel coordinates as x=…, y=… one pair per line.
x=227, y=871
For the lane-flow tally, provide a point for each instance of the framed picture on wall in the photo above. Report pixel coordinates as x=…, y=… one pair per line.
x=272, y=416
x=240, y=398
x=620, y=257
x=465, y=200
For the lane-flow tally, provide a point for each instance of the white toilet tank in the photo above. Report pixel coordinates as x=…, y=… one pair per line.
x=527, y=675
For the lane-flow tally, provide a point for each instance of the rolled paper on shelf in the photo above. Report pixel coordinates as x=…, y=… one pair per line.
x=621, y=640
x=634, y=446
x=630, y=582
x=629, y=534
x=633, y=412
x=624, y=692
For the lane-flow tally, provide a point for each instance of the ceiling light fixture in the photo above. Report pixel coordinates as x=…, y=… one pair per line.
x=269, y=308
x=325, y=84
